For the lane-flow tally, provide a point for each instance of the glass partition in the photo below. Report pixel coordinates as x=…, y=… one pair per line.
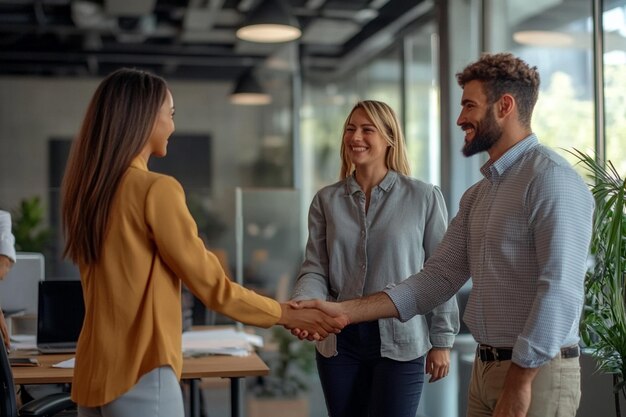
x=614, y=21
x=555, y=36
x=422, y=104
x=268, y=243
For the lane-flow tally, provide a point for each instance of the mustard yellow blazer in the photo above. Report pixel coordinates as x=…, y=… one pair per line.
x=133, y=318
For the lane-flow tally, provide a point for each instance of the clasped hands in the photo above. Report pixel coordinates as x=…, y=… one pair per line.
x=313, y=319
x=316, y=319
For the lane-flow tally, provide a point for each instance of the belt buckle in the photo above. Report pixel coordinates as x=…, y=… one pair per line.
x=492, y=350
x=570, y=352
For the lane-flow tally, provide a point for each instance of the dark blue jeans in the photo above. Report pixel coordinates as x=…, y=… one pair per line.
x=358, y=382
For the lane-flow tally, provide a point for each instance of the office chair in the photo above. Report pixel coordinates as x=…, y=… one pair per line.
x=48, y=406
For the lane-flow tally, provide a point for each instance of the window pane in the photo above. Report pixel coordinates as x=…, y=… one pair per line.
x=557, y=38
x=614, y=21
x=422, y=107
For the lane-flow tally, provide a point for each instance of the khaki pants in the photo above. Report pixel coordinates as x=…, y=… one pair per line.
x=555, y=390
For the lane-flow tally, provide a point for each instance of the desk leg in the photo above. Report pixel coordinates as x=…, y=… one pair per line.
x=236, y=397
x=194, y=398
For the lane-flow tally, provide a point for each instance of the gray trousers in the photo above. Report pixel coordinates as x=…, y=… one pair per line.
x=157, y=394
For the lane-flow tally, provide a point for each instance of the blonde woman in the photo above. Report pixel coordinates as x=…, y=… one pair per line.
x=368, y=232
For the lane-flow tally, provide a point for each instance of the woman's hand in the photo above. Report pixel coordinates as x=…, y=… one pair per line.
x=438, y=363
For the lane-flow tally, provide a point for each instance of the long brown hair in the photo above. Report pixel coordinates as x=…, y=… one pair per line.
x=116, y=127
x=386, y=122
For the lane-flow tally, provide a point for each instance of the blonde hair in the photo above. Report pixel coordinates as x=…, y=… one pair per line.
x=386, y=122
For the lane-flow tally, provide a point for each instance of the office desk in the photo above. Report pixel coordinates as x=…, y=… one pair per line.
x=230, y=367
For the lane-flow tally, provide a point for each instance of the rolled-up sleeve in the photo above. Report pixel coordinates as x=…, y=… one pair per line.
x=561, y=225
x=444, y=324
x=443, y=275
x=7, y=240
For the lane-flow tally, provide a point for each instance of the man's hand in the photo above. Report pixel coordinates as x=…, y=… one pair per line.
x=316, y=323
x=437, y=363
x=516, y=395
x=328, y=307
x=5, y=265
x=372, y=307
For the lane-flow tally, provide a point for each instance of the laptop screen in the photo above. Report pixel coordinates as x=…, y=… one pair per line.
x=18, y=290
x=61, y=311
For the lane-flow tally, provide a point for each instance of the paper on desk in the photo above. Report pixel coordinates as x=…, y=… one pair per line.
x=65, y=364
x=220, y=342
x=23, y=341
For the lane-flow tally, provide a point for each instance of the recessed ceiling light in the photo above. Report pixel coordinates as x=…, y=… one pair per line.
x=543, y=38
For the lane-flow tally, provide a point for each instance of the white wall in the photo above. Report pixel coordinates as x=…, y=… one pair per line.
x=32, y=110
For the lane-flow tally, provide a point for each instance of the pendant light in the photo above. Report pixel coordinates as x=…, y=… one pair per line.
x=271, y=21
x=248, y=91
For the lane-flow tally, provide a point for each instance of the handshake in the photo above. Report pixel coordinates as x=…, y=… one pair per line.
x=313, y=319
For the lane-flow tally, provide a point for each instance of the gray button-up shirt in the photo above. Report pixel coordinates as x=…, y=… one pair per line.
x=522, y=233
x=351, y=253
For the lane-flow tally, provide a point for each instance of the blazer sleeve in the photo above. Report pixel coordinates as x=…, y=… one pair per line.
x=175, y=235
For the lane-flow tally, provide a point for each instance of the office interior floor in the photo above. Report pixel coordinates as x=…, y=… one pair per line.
x=216, y=400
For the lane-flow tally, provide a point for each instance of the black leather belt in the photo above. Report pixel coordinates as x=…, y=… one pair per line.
x=488, y=353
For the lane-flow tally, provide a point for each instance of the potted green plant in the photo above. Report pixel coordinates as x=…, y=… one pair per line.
x=281, y=393
x=603, y=324
x=30, y=234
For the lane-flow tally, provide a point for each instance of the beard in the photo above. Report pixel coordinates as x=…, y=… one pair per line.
x=486, y=134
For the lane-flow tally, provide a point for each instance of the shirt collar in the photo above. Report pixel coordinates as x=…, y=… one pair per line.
x=139, y=163
x=388, y=180
x=492, y=170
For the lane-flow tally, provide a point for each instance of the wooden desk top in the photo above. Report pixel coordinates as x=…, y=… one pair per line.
x=193, y=368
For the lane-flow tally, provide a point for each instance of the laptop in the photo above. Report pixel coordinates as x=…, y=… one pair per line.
x=60, y=316
x=18, y=290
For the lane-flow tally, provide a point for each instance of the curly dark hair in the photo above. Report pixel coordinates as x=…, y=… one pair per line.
x=504, y=73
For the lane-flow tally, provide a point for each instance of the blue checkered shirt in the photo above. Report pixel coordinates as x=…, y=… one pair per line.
x=522, y=234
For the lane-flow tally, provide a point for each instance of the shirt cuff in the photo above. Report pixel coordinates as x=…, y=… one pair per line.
x=442, y=341
x=528, y=356
x=7, y=247
x=401, y=296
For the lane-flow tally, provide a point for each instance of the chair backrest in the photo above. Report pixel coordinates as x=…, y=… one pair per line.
x=8, y=405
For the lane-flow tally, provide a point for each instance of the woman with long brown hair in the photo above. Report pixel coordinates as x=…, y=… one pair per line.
x=134, y=241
